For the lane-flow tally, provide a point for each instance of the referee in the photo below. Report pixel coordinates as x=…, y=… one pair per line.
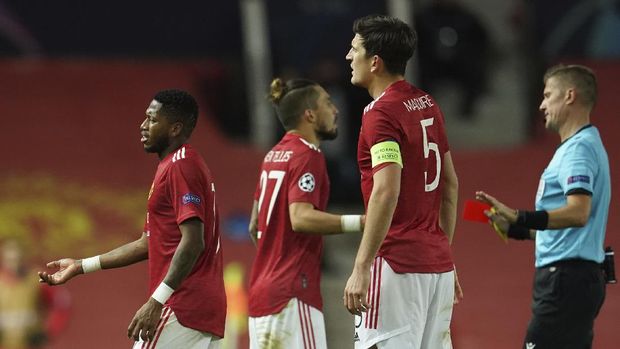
x=572, y=204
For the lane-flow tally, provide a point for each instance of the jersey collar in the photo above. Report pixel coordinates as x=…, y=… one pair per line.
x=581, y=129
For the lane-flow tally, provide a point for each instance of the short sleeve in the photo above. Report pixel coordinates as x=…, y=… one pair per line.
x=306, y=177
x=186, y=186
x=378, y=128
x=578, y=169
x=443, y=137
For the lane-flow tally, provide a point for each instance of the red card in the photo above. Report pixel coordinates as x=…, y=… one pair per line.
x=474, y=211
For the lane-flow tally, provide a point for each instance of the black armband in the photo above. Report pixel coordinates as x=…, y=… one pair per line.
x=538, y=220
x=518, y=232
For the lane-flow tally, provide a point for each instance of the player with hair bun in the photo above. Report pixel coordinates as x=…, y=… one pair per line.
x=288, y=221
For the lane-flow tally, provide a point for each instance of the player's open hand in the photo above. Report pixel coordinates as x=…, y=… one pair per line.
x=499, y=208
x=356, y=290
x=67, y=269
x=144, y=323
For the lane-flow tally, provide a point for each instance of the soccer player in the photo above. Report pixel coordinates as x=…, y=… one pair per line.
x=181, y=239
x=403, y=286
x=288, y=221
x=572, y=204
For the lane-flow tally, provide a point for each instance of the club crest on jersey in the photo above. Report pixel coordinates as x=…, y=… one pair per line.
x=306, y=182
x=190, y=198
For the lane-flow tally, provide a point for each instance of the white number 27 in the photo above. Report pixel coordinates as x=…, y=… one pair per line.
x=264, y=176
x=428, y=147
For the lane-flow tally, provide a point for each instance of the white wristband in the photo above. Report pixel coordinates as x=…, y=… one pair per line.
x=91, y=264
x=162, y=293
x=351, y=223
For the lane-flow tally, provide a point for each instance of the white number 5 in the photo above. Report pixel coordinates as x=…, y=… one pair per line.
x=428, y=147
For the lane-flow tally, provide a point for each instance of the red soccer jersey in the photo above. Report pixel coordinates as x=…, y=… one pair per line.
x=183, y=189
x=410, y=117
x=287, y=263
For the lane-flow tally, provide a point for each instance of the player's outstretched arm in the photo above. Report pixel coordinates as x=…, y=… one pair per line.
x=68, y=268
x=307, y=219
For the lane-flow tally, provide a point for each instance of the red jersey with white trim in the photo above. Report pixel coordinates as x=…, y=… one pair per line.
x=183, y=188
x=287, y=263
x=410, y=117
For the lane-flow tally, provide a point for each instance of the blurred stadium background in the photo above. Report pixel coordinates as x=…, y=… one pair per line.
x=76, y=77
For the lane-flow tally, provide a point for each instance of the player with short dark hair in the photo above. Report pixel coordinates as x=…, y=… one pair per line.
x=388, y=37
x=181, y=238
x=289, y=219
x=179, y=106
x=403, y=283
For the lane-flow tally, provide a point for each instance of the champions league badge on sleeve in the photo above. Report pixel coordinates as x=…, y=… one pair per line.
x=190, y=198
x=306, y=182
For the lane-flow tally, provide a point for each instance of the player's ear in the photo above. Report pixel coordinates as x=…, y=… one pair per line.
x=176, y=129
x=309, y=116
x=570, y=95
x=376, y=63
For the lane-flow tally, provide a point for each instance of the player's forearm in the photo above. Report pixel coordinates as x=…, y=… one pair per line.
x=253, y=226
x=127, y=254
x=449, y=197
x=189, y=249
x=311, y=221
x=182, y=263
x=379, y=214
x=447, y=213
x=447, y=219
